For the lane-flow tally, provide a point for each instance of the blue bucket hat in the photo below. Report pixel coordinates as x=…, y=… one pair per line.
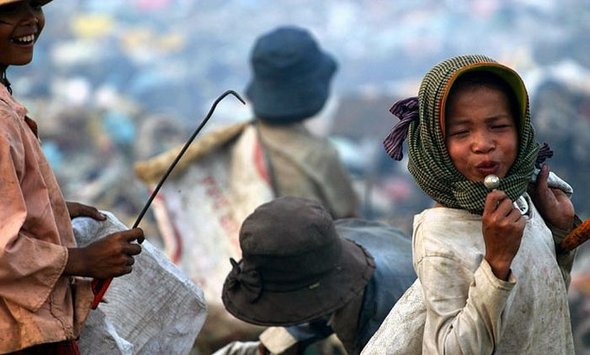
x=291, y=76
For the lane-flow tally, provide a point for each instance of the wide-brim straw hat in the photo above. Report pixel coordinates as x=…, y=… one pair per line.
x=4, y=2
x=291, y=76
x=295, y=267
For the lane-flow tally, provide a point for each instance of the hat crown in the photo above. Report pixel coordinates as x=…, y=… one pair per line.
x=291, y=76
x=305, y=246
x=285, y=53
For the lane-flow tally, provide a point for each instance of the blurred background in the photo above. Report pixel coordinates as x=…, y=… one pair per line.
x=115, y=82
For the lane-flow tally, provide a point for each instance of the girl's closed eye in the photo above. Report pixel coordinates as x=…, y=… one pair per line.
x=458, y=133
x=458, y=130
x=502, y=125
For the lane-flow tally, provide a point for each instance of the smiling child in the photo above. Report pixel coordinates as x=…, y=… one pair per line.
x=43, y=299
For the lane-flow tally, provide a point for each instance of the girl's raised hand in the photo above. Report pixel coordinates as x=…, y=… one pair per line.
x=502, y=228
x=554, y=205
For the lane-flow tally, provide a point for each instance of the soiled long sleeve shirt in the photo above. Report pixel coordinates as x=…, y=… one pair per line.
x=37, y=303
x=469, y=310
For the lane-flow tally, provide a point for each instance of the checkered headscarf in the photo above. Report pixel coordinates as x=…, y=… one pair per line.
x=429, y=162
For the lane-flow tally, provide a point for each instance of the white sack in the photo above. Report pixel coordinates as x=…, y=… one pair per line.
x=156, y=309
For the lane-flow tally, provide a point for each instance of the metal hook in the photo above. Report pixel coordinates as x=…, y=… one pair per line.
x=100, y=286
x=182, y=151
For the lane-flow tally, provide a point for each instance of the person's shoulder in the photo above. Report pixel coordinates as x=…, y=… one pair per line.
x=10, y=110
x=289, y=136
x=6, y=109
x=360, y=223
x=9, y=119
x=367, y=232
x=444, y=215
x=446, y=231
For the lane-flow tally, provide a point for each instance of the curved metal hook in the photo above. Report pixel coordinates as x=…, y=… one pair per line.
x=182, y=151
x=100, y=286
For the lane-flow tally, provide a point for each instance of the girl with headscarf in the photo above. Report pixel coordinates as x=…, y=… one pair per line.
x=491, y=276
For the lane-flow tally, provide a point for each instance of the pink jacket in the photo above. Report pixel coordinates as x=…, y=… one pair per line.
x=37, y=303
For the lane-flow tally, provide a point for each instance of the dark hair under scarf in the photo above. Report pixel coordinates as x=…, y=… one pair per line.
x=429, y=161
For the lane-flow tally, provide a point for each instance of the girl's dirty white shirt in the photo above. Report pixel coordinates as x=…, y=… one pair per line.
x=469, y=310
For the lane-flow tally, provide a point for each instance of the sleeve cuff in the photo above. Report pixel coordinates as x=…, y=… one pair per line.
x=559, y=234
x=485, y=274
x=277, y=339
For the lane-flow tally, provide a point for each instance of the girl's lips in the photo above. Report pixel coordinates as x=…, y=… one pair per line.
x=487, y=171
x=487, y=168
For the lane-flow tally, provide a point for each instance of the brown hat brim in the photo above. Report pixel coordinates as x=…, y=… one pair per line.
x=337, y=288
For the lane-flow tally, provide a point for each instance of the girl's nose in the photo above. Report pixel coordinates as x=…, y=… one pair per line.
x=482, y=142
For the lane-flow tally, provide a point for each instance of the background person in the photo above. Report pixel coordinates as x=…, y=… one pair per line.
x=291, y=77
x=300, y=268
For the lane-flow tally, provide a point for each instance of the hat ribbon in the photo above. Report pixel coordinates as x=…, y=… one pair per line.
x=407, y=111
x=249, y=280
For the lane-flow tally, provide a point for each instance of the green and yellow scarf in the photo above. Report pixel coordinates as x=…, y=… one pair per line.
x=422, y=119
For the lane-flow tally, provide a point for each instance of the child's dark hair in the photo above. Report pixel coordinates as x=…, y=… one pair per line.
x=490, y=80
